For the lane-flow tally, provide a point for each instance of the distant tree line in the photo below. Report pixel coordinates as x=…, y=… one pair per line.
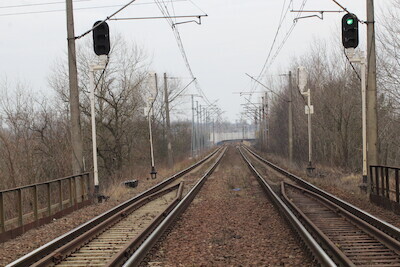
x=35, y=134
x=336, y=96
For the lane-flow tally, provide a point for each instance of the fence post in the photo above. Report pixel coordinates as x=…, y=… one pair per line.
x=377, y=180
x=83, y=187
x=397, y=185
x=60, y=194
x=76, y=190
x=48, y=199
x=387, y=182
x=20, y=207
x=371, y=179
x=2, y=217
x=35, y=203
x=71, y=201
x=382, y=182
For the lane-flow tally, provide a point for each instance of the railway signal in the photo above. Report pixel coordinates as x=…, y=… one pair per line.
x=101, y=38
x=350, y=31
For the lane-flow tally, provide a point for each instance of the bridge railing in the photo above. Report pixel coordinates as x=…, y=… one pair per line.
x=26, y=207
x=385, y=186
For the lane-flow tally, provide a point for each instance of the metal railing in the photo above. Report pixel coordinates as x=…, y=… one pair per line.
x=29, y=206
x=385, y=182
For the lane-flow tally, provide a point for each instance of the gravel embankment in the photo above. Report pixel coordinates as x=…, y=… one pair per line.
x=231, y=223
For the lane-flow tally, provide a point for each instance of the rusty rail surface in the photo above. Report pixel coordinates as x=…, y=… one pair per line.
x=39, y=203
x=316, y=250
x=385, y=187
x=370, y=219
x=61, y=241
x=350, y=240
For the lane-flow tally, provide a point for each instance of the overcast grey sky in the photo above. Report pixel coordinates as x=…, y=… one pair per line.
x=233, y=40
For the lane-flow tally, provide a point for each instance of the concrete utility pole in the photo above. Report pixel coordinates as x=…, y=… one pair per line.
x=193, y=130
x=372, y=109
x=260, y=119
x=213, y=129
x=266, y=129
x=153, y=172
x=203, y=136
x=201, y=128
x=206, y=135
x=168, y=124
x=290, y=130
x=262, y=112
x=76, y=136
x=98, y=66
x=197, y=129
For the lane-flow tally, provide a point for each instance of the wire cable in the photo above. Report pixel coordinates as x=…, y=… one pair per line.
x=351, y=64
x=41, y=4
x=75, y=9
x=165, y=12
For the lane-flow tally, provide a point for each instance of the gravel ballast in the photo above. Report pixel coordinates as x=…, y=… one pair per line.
x=231, y=223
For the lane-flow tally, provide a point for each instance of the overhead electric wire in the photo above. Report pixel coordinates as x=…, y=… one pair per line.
x=75, y=9
x=41, y=4
x=165, y=12
x=197, y=7
x=282, y=18
x=269, y=62
x=351, y=64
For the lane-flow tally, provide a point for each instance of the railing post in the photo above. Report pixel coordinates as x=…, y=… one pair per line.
x=397, y=185
x=76, y=190
x=35, y=203
x=60, y=194
x=2, y=217
x=83, y=187
x=48, y=199
x=371, y=179
x=387, y=182
x=71, y=201
x=20, y=207
x=377, y=180
x=382, y=182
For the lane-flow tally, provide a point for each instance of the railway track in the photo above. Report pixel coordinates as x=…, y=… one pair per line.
x=111, y=238
x=350, y=236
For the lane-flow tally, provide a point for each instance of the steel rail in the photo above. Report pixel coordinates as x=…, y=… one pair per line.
x=378, y=223
x=46, y=249
x=335, y=210
x=316, y=250
x=120, y=257
x=61, y=253
x=143, y=250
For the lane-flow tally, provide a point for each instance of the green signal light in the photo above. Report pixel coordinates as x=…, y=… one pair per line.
x=350, y=21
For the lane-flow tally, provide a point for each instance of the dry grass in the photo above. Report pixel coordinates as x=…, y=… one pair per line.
x=324, y=176
x=118, y=192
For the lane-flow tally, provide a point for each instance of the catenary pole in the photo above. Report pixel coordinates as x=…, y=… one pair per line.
x=76, y=135
x=197, y=130
x=372, y=113
x=290, y=128
x=168, y=124
x=193, y=130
